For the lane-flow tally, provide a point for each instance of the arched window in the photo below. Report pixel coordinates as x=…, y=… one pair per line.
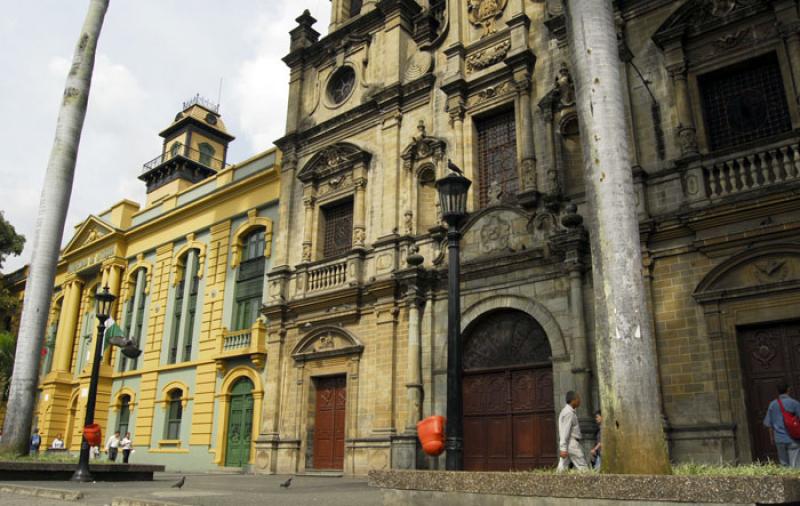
x=572, y=157
x=124, y=414
x=134, y=316
x=184, y=307
x=175, y=149
x=172, y=429
x=206, y=153
x=355, y=7
x=87, y=330
x=250, y=280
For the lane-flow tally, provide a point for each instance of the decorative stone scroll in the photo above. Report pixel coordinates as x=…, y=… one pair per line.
x=488, y=57
x=483, y=13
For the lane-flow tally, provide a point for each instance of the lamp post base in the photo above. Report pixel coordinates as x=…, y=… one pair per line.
x=82, y=475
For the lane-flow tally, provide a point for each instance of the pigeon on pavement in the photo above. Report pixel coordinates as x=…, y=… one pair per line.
x=179, y=483
x=287, y=483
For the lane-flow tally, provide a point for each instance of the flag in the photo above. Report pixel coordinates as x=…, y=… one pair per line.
x=112, y=330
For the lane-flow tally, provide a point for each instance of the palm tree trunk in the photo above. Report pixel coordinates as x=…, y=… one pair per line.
x=49, y=230
x=633, y=436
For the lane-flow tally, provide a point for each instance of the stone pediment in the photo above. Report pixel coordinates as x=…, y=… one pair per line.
x=423, y=147
x=759, y=270
x=88, y=232
x=699, y=16
x=326, y=342
x=499, y=230
x=332, y=160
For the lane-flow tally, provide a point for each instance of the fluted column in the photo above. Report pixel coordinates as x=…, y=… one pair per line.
x=68, y=321
x=457, y=121
x=308, y=206
x=359, y=214
x=791, y=35
x=687, y=133
x=527, y=144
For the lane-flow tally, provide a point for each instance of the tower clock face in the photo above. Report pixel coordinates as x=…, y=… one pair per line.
x=341, y=85
x=211, y=119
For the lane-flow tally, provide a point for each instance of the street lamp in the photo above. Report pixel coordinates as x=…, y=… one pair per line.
x=453, y=201
x=104, y=301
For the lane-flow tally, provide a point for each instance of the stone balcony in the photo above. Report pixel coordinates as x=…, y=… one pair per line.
x=329, y=274
x=716, y=178
x=251, y=342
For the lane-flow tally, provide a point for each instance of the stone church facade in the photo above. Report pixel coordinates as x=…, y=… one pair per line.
x=356, y=333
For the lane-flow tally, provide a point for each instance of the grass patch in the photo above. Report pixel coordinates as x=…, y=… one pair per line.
x=769, y=469
x=42, y=457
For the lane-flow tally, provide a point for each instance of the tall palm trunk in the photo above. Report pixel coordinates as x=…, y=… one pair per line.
x=633, y=436
x=49, y=229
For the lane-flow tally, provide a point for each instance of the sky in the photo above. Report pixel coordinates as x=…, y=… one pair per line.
x=152, y=56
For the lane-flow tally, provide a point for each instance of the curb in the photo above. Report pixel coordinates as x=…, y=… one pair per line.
x=48, y=493
x=131, y=501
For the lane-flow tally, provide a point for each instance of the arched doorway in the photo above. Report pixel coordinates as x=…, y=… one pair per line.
x=509, y=415
x=240, y=424
x=73, y=414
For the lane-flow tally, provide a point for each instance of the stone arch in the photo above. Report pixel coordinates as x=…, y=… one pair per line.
x=131, y=273
x=534, y=309
x=253, y=222
x=178, y=256
x=173, y=385
x=326, y=342
x=224, y=395
x=122, y=393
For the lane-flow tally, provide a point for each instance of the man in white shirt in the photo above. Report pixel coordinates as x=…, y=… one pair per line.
x=112, y=446
x=569, y=436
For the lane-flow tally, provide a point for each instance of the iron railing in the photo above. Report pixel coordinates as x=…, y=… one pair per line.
x=201, y=101
x=184, y=151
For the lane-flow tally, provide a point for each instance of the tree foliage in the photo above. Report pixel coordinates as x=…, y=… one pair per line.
x=11, y=243
x=8, y=344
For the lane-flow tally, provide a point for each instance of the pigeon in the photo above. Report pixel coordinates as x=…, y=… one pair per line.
x=179, y=483
x=287, y=483
x=455, y=168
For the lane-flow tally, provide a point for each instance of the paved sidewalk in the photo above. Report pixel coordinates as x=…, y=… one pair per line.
x=211, y=490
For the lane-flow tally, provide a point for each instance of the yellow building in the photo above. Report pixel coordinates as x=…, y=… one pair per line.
x=188, y=271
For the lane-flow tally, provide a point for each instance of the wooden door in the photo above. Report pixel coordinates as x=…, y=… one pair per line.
x=770, y=355
x=329, y=423
x=240, y=424
x=509, y=420
x=509, y=415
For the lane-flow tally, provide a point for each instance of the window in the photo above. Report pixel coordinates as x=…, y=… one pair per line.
x=177, y=313
x=191, y=314
x=124, y=414
x=134, y=318
x=206, y=153
x=249, y=281
x=355, y=7
x=497, y=155
x=172, y=429
x=338, y=225
x=744, y=102
x=341, y=85
x=175, y=149
x=572, y=157
x=184, y=309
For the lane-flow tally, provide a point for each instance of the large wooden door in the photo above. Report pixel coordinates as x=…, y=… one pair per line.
x=240, y=424
x=329, y=423
x=770, y=355
x=509, y=414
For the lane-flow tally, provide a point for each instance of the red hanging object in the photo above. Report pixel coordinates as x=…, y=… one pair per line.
x=431, y=434
x=93, y=434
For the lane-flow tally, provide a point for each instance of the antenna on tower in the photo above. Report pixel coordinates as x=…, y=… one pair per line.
x=219, y=94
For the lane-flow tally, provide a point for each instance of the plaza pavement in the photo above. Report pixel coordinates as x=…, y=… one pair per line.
x=209, y=490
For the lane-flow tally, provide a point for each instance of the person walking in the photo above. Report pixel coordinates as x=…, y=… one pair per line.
x=127, y=445
x=58, y=443
x=788, y=448
x=569, y=435
x=36, y=441
x=597, y=450
x=112, y=446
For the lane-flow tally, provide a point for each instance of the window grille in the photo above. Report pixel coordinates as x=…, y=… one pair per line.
x=497, y=155
x=744, y=102
x=338, y=228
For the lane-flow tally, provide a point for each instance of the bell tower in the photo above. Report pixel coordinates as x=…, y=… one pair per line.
x=195, y=147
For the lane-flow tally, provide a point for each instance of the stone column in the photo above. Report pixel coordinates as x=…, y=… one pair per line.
x=581, y=368
x=359, y=214
x=414, y=371
x=527, y=145
x=791, y=35
x=308, y=228
x=65, y=335
x=457, y=113
x=687, y=133
x=633, y=435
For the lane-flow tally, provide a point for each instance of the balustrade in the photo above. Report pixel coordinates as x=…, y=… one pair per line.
x=327, y=276
x=779, y=163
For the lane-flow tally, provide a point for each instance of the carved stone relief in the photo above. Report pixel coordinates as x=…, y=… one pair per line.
x=490, y=93
x=488, y=57
x=484, y=13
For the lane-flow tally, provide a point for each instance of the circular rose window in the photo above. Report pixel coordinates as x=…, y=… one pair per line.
x=341, y=85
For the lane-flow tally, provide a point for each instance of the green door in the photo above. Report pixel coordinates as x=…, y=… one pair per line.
x=240, y=424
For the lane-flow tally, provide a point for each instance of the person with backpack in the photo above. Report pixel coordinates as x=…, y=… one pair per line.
x=783, y=422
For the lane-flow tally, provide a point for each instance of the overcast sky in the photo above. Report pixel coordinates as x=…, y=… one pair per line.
x=152, y=55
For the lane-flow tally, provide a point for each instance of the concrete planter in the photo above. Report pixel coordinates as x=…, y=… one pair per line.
x=518, y=489
x=55, y=471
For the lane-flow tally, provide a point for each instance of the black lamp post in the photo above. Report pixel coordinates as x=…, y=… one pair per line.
x=104, y=301
x=453, y=200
